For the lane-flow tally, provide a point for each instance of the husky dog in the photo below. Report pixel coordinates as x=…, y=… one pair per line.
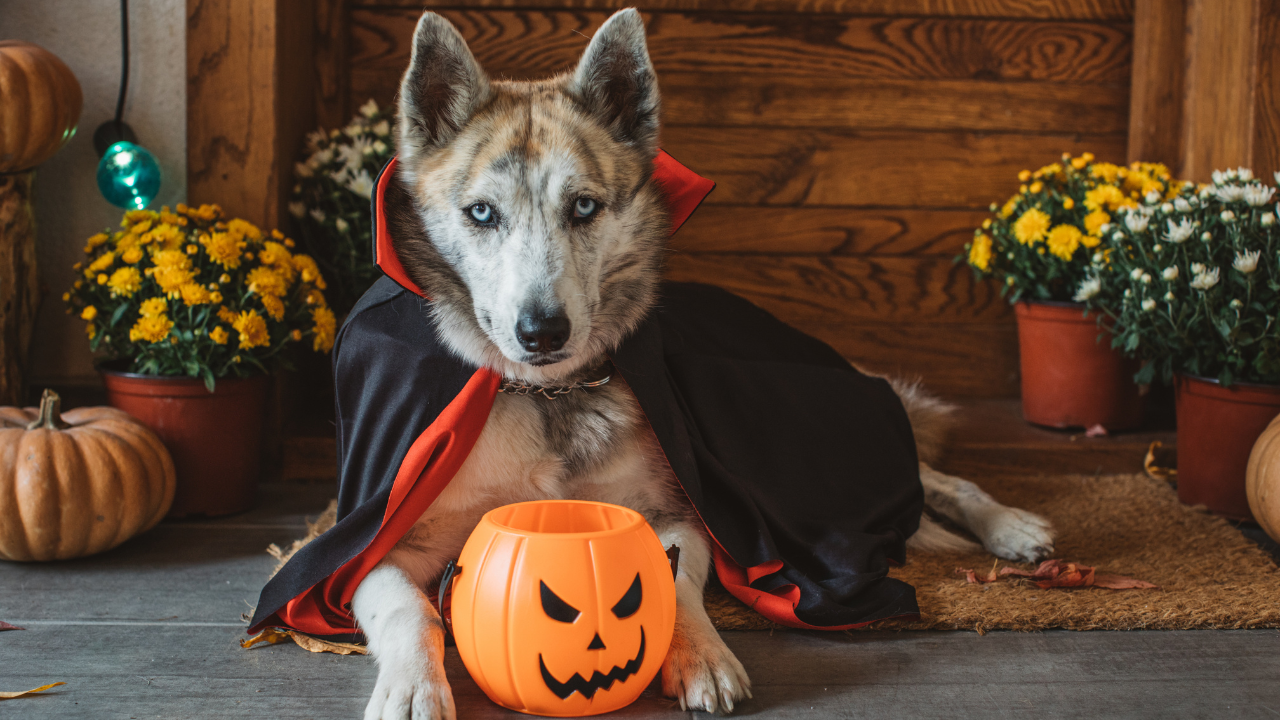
x=528, y=212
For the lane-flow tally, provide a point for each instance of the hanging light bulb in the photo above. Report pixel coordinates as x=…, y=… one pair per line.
x=128, y=174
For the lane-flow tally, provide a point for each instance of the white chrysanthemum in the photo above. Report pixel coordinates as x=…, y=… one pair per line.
x=297, y=209
x=1181, y=232
x=1276, y=175
x=1166, y=208
x=1181, y=205
x=1247, y=262
x=1245, y=174
x=1128, y=293
x=317, y=214
x=1206, y=236
x=1258, y=194
x=1152, y=197
x=353, y=155
x=1089, y=288
x=1136, y=222
x=355, y=129
x=369, y=109
x=1117, y=235
x=1170, y=296
x=380, y=147
x=320, y=158
x=1236, y=304
x=341, y=225
x=1136, y=274
x=382, y=128
x=1146, y=278
x=1104, y=228
x=339, y=176
x=361, y=184
x=1227, y=216
x=1219, y=177
x=1267, y=219
x=1205, y=280
x=301, y=170
x=1170, y=273
x=1230, y=193
x=1157, y=247
x=314, y=138
x=1148, y=304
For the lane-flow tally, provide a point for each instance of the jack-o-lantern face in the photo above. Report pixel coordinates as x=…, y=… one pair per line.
x=563, y=608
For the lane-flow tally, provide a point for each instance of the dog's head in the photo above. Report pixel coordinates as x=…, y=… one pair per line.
x=527, y=209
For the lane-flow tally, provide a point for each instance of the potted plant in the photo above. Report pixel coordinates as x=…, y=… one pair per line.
x=188, y=308
x=331, y=201
x=1041, y=245
x=1192, y=285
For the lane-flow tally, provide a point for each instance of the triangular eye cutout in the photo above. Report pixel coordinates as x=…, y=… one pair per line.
x=557, y=609
x=630, y=602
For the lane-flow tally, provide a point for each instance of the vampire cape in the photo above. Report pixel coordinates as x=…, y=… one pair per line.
x=803, y=469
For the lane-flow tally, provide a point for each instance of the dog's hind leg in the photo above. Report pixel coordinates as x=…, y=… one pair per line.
x=1010, y=533
x=700, y=671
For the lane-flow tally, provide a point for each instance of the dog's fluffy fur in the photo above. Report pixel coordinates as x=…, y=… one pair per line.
x=487, y=212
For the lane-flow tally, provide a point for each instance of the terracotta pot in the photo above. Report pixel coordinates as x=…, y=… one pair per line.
x=215, y=438
x=1070, y=378
x=1217, y=428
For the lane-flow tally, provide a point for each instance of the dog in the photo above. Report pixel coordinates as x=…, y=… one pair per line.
x=530, y=214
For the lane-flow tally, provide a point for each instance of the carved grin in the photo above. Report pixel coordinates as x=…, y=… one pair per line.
x=598, y=681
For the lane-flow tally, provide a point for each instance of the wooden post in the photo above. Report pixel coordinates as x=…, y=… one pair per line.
x=19, y=289
x=1155, y=95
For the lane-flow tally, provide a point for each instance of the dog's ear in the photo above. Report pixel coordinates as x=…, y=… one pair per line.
x=441, y=89
x=616, y=81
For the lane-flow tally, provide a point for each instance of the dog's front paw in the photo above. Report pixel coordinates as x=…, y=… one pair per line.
x=701, y=672
x=1015, y=534
x=403, y=695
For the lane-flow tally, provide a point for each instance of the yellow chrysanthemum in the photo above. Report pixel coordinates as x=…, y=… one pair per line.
x=308, y=270
x=207, y=213
x=1037, y=186
x=94, y=241
x=253, y=330
x=102, y=262
x=1063, y=241
x=244, y=229
x=1104, y=197
x=125, y=282
x=315, y=297
x=223, y=248
x=1031, y=226
x=171, y=219
x=141, y=228
x=172, y=270
x=89, y=312
x=91, y=330
x=980, y=252
x=274, y=306
x=150, y=329
x=1095, y=220
x=154, y=307
x=132, y=255
x=1106, y=172
x=1090, y=241
x=1048, y=170
x=1068, y=203
x=164, y=237
x=1009, y=206
x=280, y=260
x=102, y=278
x=325, y=325
x=133, y=217
x=264, y=280
x=227, y=315
x=296, y=335
x=195, y=294
x=219, y=335
x=1024, y=176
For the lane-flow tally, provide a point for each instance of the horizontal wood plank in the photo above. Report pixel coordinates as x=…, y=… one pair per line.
x=530, y=44
x=778, y=166
x=1046, y=9
x=817, y=291
x=827, y=231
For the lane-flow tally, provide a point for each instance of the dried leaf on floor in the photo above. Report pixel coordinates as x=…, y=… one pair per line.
x=1161, y=463
x=973, y=577
x=42, y=688
x=272, y=636
x=1062, y=574
x=6, y=626
x=1096, y=430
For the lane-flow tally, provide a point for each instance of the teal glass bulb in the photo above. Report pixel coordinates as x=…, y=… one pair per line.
x=128, y=176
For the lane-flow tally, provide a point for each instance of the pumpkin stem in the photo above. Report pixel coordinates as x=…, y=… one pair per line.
x=50, y=413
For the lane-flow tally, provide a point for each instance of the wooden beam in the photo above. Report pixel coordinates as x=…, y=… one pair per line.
x=1155, y=101
x=1218, y=115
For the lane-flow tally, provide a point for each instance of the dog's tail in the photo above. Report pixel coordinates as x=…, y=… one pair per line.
x=931, y=417
x=932, y=537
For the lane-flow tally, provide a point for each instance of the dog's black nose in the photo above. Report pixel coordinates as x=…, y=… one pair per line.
x=541, y=332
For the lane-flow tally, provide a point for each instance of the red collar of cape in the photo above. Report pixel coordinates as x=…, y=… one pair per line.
x=295, y=599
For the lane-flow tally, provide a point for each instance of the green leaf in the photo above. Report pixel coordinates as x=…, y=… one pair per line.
x=119, y=313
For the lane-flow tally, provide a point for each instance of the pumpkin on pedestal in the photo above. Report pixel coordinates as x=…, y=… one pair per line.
x=39, y=108
x=1262, y=480
x=77, y=484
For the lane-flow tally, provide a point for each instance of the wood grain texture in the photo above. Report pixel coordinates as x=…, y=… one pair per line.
x=529, y=44
x=19, y=282
x=1049, y=9
x=827, y=231
x=231, y=107
x=331, y=73
x=769, y=166
x=1266, y=108
x=1155, y=107
x=1218, y=116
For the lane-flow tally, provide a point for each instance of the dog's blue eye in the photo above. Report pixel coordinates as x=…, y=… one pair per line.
x=481, y=213
x=585, y=207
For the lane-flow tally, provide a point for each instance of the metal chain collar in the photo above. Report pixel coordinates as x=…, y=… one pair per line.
x=551, y=392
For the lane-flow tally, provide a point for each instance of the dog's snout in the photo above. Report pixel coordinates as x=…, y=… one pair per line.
x=543, y=332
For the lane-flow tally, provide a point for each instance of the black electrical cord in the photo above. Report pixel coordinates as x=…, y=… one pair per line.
x=115, y=130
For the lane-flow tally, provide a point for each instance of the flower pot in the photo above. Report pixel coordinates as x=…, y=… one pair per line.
x=215, y=438
x=1217, y=428
x=1070, y=378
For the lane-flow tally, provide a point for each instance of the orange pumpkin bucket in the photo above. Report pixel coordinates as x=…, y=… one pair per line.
x=562, y=607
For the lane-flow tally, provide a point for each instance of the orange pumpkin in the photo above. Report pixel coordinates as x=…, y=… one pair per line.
x=1262, y=480
x=77, y=484
x=39, y=105
x=563, y=608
